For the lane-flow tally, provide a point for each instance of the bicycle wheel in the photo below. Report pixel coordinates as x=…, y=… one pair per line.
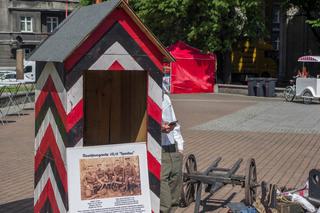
x=307, y=97
x=289, y=93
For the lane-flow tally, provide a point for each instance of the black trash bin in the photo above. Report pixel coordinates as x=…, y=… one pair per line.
x=260, y=87
x=251, y=86
x=270, y=87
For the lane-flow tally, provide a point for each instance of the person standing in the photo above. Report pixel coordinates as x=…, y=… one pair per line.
x=172, y=153
x=129, y=175
x=299, y=74
x=305, y=73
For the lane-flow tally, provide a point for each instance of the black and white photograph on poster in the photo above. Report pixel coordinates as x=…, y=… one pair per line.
x=108, y=178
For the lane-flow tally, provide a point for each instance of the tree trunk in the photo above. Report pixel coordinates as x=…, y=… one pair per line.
x=227, y=70
x=219, y=68
x=224, y=67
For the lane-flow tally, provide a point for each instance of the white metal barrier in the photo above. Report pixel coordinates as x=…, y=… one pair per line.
x=11, y=90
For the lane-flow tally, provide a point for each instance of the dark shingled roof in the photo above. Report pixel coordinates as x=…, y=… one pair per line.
x=72, y=31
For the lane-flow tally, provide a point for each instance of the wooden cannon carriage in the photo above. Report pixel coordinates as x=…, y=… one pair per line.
x=214, y=178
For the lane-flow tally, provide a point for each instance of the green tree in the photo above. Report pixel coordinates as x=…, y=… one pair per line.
x=311, y=10
x=88, y=2
x=85, y=2
x=208, y=25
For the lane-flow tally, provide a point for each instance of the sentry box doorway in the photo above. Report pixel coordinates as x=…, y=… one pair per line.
x=99, y=81
x=115, y=107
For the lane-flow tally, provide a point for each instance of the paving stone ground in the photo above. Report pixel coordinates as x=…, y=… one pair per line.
x=16, y=163
x=279, y=135
x=283, y=138
x=274, y=117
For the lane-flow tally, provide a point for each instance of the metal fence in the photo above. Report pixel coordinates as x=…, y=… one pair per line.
x=14, y=97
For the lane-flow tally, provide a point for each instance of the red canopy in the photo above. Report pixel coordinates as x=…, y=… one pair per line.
x=193, y=71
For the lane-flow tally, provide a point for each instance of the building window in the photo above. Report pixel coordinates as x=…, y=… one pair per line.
x=276, y=16
x=26, y=24
x=276, y=44
x=27, y=51
x=52, y=23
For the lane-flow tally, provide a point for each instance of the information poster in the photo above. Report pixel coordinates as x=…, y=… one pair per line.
x=109, y=178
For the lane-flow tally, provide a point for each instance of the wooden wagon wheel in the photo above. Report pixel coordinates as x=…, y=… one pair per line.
x=188, y=189
x=250, y=182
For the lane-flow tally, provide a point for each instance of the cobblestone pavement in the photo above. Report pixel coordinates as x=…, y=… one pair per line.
x=280, y=136
x=275, y=117
x=16, y=163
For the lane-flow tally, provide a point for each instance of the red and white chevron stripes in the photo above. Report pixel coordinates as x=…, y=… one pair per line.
x=50, y=142
x=116, y=54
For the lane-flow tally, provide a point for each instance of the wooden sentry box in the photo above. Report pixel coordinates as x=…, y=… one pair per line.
x=99, y=81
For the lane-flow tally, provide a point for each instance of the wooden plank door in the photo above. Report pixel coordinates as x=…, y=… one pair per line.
x=115, y=107
x=97, y=96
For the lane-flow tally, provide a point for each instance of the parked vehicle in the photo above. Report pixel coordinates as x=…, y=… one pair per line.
x=8, y=75
x=3, y=72
x=29, y=70
x=305, y=87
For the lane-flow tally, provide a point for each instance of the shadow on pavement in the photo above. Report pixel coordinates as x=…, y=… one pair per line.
x=8, y=121
x=16, y=114
x=209, y=204
x=21, y=206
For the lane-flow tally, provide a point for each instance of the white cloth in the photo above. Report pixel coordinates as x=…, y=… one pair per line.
x=168, y=116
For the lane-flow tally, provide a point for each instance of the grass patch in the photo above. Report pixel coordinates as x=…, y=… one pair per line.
x=13, y=89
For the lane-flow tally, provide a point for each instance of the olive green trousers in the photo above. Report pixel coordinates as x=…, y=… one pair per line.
x=171, y=181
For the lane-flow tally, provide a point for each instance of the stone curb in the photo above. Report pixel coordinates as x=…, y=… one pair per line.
x=241, y=89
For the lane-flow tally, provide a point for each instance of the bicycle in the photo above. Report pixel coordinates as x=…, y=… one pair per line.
x=290, y=91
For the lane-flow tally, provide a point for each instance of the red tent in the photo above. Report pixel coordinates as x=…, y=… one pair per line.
x=193, y=71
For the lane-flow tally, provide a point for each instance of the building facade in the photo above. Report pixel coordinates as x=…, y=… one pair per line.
x=296, y=40
x=26, y=23
x=288, y=38
x=291, y=38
